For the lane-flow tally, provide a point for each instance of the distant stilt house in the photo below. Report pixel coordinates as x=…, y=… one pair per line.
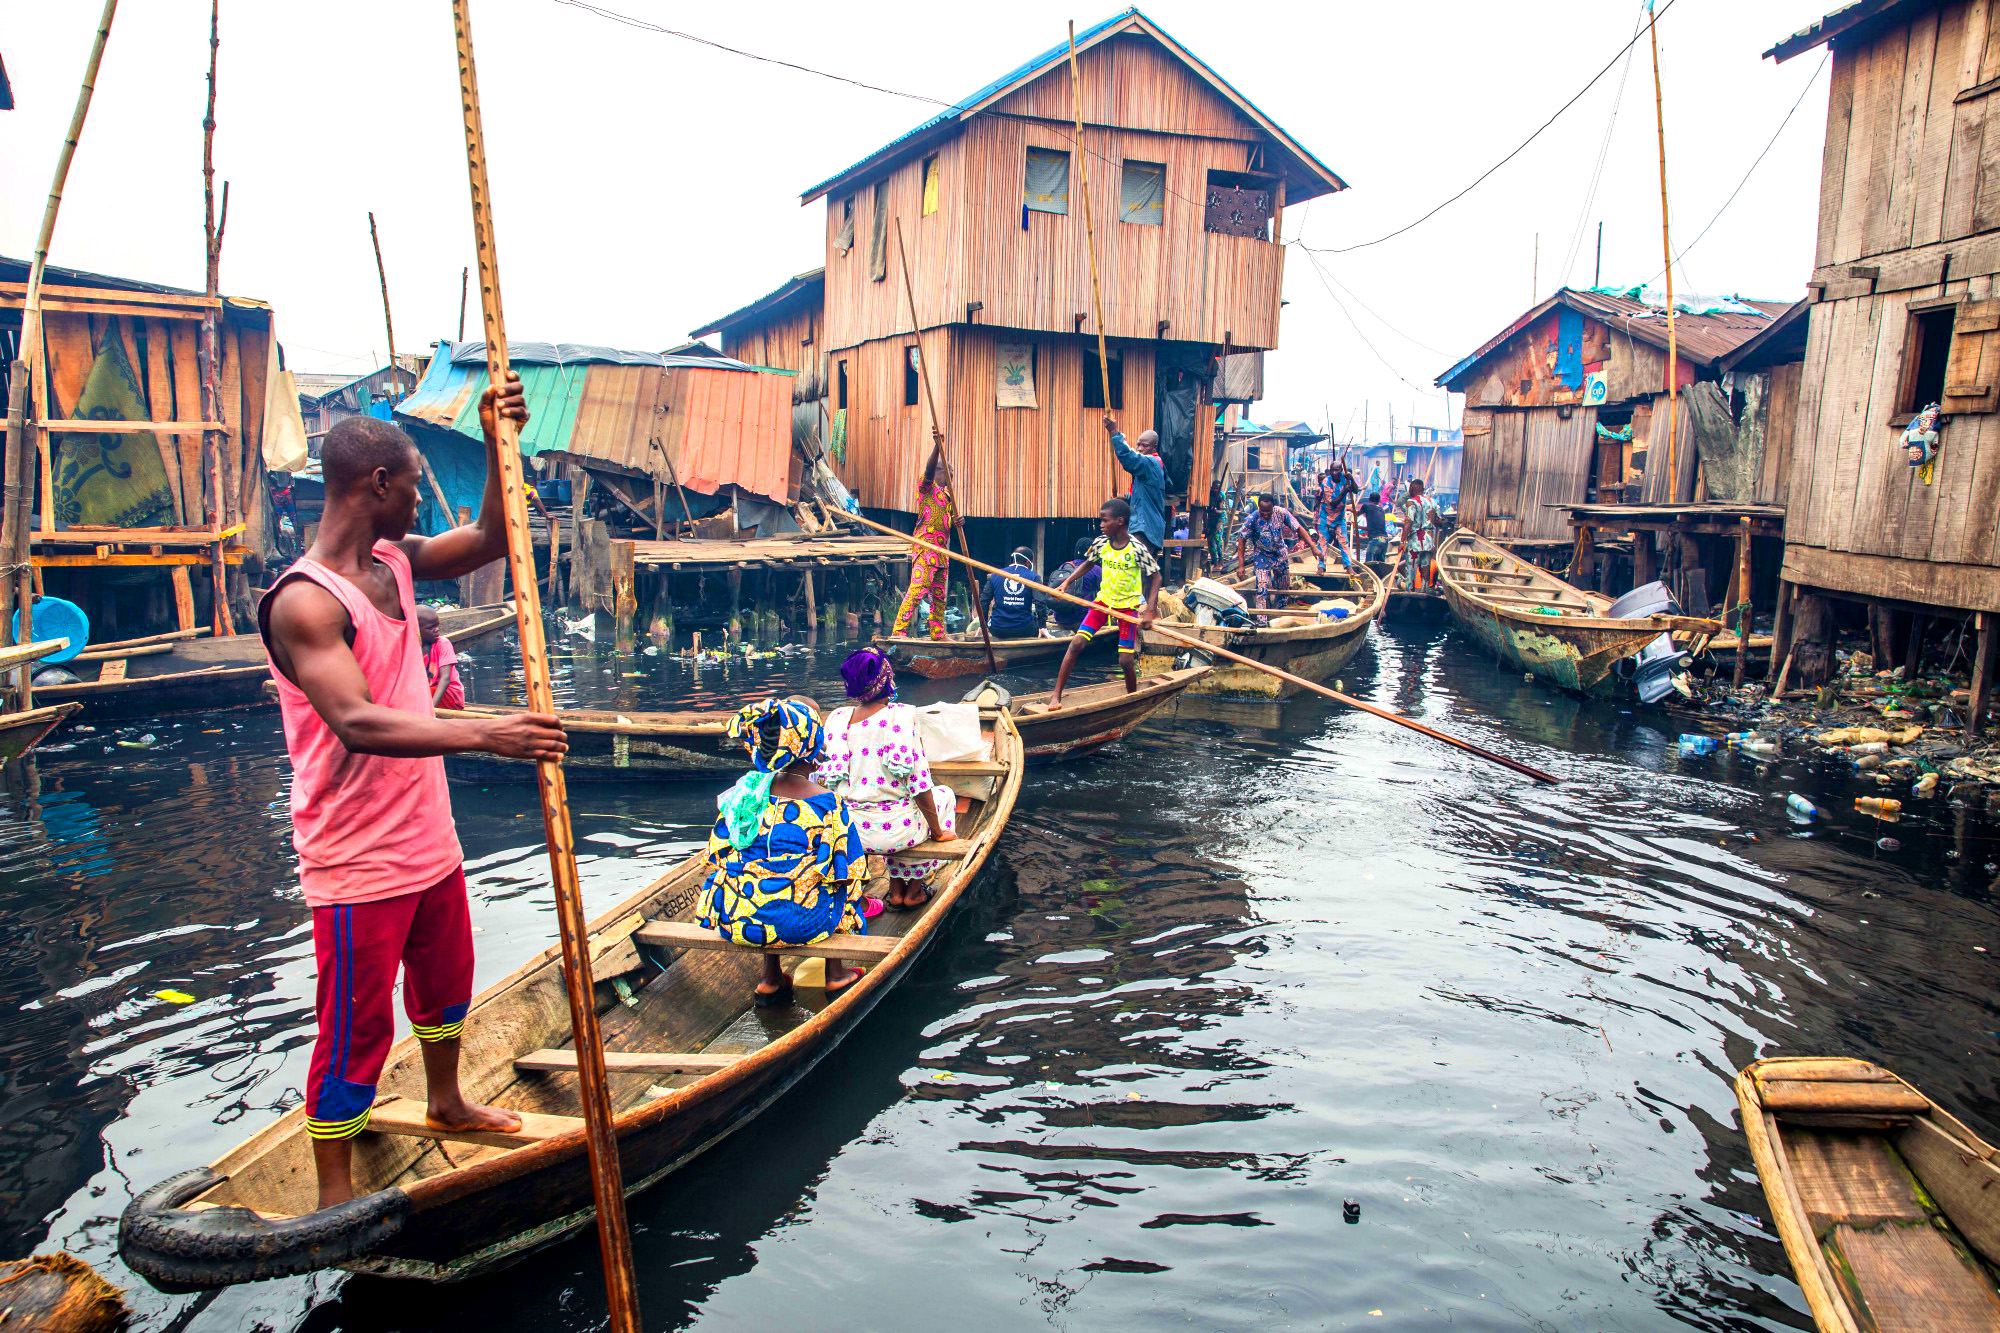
x=327, y=399
x=1905, y=312
x=128, y=521
x=1567, y=451
x=1188, y=184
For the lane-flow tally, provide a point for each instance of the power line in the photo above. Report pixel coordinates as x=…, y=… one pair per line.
x=1377, y=314
x=1481, y=177
x=1682, y=252
x=1603, y=155
x=1430, y=391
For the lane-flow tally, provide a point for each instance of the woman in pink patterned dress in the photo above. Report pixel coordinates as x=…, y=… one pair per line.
x=874, y=760
x=928, y=581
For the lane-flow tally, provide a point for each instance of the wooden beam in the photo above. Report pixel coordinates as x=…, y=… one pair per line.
x=120, y=654
x=686, y=935
x=10, y=291
x=1984, y=661
x=96, y=427
x=404, y=1115
x=626, y=1062
x=87, y=560
x=15, y=654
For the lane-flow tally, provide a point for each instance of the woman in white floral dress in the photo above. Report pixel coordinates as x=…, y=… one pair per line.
x=874, y=759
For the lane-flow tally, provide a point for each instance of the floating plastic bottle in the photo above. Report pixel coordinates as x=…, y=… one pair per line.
x=1739, y=737
x=1760, y=746
x=1693, y=744
x=1878, y=805
x=1926, y=784
x=1800, y=806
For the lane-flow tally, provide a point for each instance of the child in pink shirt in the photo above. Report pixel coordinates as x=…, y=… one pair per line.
x=440, y=661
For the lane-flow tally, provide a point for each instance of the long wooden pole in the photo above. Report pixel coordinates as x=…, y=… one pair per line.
x=1217, y=650
x=24, y=375
x=208, y=350
x=937, y=438
x=606, y=1181
x=389, y=324
x=1089, y=232
x=1667, y=247
x=464, y=276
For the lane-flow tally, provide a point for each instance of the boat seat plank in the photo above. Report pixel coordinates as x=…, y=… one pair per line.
x=626, y=1062
x=687, y=935
x=935, y=851
x=1783, y=1095
x=1913, y=1279
x=405, y=1116
x=967, y=768
x=1851, y=1178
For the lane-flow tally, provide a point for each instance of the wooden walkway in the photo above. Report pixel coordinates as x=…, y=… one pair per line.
x=767, y=553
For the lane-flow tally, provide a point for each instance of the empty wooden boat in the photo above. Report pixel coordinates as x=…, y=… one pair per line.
x=23, y=731
x=942, y=659
x=170, y=673
x=1888, y=1205
x=691, y=1061
x=1536, y=622
x=1302, y=642
x=628, y=744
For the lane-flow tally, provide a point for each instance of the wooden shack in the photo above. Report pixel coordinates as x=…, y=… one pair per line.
x=120, y=484
x=1187, y=183
x=1905, y=312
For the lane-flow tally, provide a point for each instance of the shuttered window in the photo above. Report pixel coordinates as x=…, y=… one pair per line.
x=1969, y=373
x=1142, y=193
x=930, y=186
x=843, y=239
x=1046, y=188
x=878, y=233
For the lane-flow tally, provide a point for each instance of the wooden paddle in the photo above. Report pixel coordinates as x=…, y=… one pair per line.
x=606, y=1181
x=937, y=436
x=1200, y=645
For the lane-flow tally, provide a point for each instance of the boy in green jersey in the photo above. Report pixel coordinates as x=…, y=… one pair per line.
x=1131, y=583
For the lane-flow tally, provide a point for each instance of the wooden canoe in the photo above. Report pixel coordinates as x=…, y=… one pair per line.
x=22, y=732
x=942, y=659
x=631, y=745
x=1536, y=622
x=691, y=1061
x=1314, y=651
x=189, y=674
x=1888, y=1206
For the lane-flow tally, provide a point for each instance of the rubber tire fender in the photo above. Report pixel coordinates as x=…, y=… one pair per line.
x=180, y=1251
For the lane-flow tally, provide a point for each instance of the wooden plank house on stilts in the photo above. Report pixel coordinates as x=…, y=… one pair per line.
x=1905, y=312
x=1188, y=183
x=1566, y=458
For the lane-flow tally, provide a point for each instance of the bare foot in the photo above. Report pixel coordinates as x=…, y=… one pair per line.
x=1052, y=706
x=944, y=835
x=471, y=1115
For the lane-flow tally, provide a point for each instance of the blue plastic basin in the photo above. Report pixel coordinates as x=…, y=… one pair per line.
x=57, y=619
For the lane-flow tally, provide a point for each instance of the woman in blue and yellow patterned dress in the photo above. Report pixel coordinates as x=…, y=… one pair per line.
x=787, y=866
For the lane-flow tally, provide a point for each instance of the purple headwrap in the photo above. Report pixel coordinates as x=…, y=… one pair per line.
x=869, y=676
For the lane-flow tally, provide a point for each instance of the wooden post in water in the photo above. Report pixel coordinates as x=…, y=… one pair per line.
x=1089, y=233
x=17, y=501
x=208, y=350
x=937, y=436
x=606, y=1181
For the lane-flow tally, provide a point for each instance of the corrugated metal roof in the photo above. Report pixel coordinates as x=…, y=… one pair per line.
x=735, y=428
x=800, y=285
x=1125, y=20
x=1842, y=21
x=1702, y=338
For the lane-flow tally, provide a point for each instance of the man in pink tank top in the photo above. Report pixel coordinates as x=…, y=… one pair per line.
x=379, y=859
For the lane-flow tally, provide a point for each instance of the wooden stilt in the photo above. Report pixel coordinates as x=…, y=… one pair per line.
x=1913, y=654
x=1742, y=599
x=208, y=350
x=1984, y=660
x=1781, y=623
x=606, y=1181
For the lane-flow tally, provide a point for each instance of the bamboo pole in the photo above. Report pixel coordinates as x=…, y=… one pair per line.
x=1203, y=646
x=208, y=350
x=1089, y=233
x=464, y=276
x=606, y=1181
x=24, y=375
x=937, y=438
x=389, y=324
x=1667, y=246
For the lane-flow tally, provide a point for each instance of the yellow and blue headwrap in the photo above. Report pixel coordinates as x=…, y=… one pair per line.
x=799, y=738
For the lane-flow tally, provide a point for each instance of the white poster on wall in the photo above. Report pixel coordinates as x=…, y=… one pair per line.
x=1016, y=386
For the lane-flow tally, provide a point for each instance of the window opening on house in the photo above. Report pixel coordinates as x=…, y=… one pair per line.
x=1046, y=185
x=878, y=233
x=1239, y=204
x=840, y=385
x=1142, y=193
x=1093, y=383
x=1926, y=354
x=930, y=185
x=843, y=239
x=912, y=374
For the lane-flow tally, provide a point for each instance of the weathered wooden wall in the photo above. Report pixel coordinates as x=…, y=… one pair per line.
x=1206, y=286
x=788, y=341
x=1049, y=461
x=1909, y=204
x=1521, y=372
x=1518, y=463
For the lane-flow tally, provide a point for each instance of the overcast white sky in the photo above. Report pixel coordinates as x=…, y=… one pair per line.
x=645, y=184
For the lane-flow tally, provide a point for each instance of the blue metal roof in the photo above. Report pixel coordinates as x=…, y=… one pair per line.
x=1039, y=65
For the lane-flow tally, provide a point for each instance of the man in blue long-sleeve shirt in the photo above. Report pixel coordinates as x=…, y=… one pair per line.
x=1149, y=483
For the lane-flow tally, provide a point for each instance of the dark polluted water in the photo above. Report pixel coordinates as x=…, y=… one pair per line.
x=1248, y=965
